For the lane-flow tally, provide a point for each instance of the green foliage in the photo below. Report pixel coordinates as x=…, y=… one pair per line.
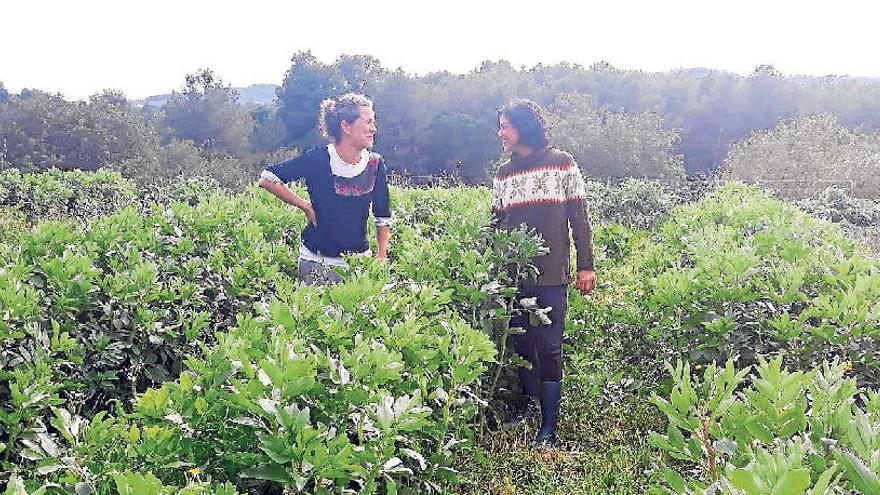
x=371, y=395
x=309, y=81
x=614, y=144
x=167, y=347
x=269, y=131
x=12, y=223
x=631, y=203
x=461, y=144
x=707, y=109
x=207, y=113
x=768, y=434
x=73, y=194
x=183, y=160
x=43, y=131
x=183, y=189
x=738, y=274
x=135, y=292
x=805, y=154
x=858, y=218
x=375, y=382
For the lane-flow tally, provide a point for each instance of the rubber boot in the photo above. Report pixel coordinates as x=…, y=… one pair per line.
x=551, y=393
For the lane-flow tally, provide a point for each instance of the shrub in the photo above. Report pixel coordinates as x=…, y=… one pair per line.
x=632, y=203
x=184, y=159
x=804, y=155
x=779, y=431
x=199, y=301
x=58, y=194
x=735, y=275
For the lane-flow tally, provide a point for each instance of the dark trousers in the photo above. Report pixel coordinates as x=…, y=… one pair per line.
x=541, y=345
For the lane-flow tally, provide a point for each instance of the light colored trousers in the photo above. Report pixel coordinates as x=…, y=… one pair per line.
x=317, y=273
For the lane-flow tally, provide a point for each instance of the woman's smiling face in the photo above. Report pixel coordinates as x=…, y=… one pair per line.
x=507, y=133
x=363, y=129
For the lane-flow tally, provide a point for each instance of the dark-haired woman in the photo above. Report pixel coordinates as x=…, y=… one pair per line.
x=542, y=187
x=343, y=180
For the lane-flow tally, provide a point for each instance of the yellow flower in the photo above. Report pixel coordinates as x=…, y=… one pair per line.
x=698, y=366
x=848, y=366
x=194, y=470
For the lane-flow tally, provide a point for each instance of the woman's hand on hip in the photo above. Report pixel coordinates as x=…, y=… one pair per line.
x=310, y=214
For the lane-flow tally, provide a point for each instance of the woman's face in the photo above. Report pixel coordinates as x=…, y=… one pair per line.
x=508, y=134
x=363, y=130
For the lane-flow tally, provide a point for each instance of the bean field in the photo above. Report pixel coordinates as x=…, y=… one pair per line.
x=154, y=340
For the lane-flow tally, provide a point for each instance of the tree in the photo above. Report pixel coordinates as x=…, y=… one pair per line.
x=4, y=95
x=460, y=143
x=766, y=70
x=41, y=130
x=309, y=81
x=613, y=144
x=403, y=119
x=358, y=73
x=185, y=159
x=269, y=132
x=207, y=112
x=306, y=84
x=803, y=155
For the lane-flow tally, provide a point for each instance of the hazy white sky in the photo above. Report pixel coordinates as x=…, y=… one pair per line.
x=143, y=48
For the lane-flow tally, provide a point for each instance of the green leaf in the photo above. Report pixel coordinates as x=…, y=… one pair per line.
x=390, y=486
x=674, y=480
x=135, y=484
x=744, y=480
x=15, y=486
x=675, y=437
x=759, y=431
x=658, y=441
x=859, y=474
x=824, y=480
x=794, y=482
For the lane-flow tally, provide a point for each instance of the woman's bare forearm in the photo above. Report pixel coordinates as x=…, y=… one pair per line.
x=284, y=193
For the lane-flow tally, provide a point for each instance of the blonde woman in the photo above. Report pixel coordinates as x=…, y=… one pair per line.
x=344, y=180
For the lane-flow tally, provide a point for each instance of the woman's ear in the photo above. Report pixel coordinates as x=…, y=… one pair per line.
x=346, y=127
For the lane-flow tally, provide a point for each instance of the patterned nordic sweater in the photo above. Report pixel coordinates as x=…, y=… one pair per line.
x=545, y=191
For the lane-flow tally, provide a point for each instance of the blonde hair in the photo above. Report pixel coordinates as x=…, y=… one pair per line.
x=333, y=111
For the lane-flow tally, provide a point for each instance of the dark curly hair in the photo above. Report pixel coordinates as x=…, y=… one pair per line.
x=528, y=119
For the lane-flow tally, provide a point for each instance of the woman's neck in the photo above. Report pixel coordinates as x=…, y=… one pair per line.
x=523, y=151
x=350, y=154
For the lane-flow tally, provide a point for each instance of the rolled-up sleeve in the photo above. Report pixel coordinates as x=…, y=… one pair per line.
x=269, y=176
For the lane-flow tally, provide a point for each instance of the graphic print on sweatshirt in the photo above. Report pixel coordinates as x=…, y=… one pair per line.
x=360, y=184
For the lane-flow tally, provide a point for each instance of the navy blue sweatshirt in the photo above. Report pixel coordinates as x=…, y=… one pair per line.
x=341, y=204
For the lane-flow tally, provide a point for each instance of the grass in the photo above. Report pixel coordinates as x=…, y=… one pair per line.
x=603, y=446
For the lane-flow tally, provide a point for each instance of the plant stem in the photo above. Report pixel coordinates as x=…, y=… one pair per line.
x=706, y=440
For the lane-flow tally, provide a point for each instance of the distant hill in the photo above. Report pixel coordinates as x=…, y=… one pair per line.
x=830, y=79
x=258, y=94
x=800, y=79
x=255, y=94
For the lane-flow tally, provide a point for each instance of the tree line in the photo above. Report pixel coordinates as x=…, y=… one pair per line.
x=617, y=123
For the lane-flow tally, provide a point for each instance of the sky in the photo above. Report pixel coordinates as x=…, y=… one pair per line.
x=78, y=48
